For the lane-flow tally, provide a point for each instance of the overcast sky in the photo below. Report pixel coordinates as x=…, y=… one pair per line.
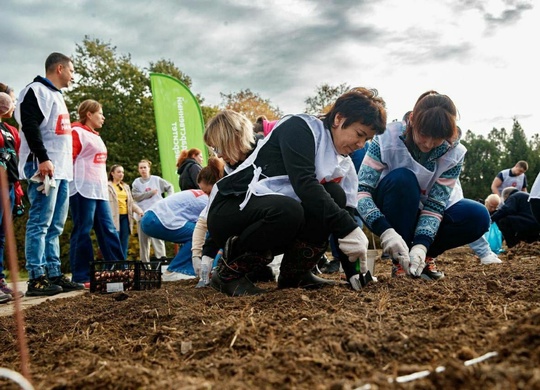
x=482, y=53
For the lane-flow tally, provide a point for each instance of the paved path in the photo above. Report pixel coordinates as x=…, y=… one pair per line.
x=7, y=309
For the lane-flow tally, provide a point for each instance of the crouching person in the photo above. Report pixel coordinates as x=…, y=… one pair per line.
x=409, y=192
x=173, y=219
x=296, y=188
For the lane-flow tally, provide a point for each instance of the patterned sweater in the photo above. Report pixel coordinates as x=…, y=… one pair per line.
x=434, y=205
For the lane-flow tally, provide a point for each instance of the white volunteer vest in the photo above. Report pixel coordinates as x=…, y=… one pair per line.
x=179, y=208
x=329, y=166
x=150, y=185
x=55, y=130
x=89, y=168
x=394, y=154
x=511, y=181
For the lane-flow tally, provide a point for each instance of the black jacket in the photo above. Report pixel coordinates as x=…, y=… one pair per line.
x=188, y=172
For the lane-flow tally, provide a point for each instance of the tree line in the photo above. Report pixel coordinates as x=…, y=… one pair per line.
x=123, y=89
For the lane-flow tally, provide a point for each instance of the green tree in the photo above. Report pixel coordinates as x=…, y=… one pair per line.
x=482, y=163
x=124, y=91
x=251, y=104
x=325, y=96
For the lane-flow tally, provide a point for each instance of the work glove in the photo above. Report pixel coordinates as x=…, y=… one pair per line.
x=204, y=271
x=196, y=262
x=354, y=245
x=417, y=256
x=46, y=183
x=393, y=244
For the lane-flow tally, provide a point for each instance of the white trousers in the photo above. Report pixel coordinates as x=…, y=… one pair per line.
x=144, y=246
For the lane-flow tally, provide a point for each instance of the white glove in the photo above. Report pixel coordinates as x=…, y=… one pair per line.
x=46, y=183
x=355, y=245
x=196, y=261
x=393, y=244
x=418, y=259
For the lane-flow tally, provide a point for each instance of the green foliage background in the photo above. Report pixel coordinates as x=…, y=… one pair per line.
x=123, y=89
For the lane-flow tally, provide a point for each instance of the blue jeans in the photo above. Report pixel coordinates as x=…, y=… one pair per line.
x=2, y=232
x=398, y=197
x=480, y=247
x=46, y=219
x=123, y=234
x=87, y=214
x=152, y=226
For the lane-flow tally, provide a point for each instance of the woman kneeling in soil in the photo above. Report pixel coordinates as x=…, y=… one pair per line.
x=295, y=189
x=409, y=191
x=173, y=219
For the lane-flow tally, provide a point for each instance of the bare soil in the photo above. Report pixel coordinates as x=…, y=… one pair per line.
x=180, y=337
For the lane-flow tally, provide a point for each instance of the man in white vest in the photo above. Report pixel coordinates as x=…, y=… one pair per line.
x=46, y=162
x=512, y=177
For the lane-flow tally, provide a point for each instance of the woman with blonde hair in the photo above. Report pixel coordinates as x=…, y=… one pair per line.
x=122, y=206
x=89, y=199
x=189, y=165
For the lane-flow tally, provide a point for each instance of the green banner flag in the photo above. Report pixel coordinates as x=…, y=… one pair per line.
x=179, y=123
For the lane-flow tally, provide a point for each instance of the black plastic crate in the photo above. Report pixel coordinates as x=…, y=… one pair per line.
x=115, y=276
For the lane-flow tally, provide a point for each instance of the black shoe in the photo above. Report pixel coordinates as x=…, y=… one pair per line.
x=261, y=274
x=303, y=280
x=331, y=268
x=430, y=271
x=66, y=284
x=42, y=287
x=235, y=287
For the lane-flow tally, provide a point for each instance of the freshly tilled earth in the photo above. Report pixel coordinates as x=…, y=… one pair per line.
x=182, y=337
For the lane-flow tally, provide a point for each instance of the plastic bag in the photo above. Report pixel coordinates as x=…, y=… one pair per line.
x=494, y=238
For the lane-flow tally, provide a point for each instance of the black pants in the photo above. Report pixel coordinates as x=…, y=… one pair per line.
x=516, y=228
x=271, y=222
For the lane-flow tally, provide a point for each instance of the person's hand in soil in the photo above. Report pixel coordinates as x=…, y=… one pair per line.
x=418, y=259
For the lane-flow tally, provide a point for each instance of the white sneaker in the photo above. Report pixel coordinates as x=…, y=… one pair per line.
x=174, y=276
x=490, y=259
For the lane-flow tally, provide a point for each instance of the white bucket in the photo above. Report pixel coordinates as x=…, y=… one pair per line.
x=372, y=254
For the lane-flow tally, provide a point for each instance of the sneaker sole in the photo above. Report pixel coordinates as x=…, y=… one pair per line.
x=425, y=277
x=40, y=294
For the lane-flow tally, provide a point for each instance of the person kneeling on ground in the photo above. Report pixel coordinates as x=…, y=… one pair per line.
x=515, y=218
x=409, y=193
x=291, y=193
x=173, y=219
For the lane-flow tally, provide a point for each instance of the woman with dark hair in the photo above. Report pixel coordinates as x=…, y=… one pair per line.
x=295, y=189
x=122, y=206
x=88, y=194
x=189, y=165
x=409, y=192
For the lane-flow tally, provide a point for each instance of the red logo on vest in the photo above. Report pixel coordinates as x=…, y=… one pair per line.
x=63, y=125
x=335, y=180
x=100, y=158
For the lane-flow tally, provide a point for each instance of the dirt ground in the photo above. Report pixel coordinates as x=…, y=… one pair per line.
x=180, y=337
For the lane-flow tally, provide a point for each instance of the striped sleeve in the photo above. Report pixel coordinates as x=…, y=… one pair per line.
x=368, y=176
x=435, y=205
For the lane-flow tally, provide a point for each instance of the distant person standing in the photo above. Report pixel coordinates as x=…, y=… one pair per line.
x=147, y=191
x=189, y=165
x=89, y=198
x=513, y=177
x=122, y=206
x=46, y=161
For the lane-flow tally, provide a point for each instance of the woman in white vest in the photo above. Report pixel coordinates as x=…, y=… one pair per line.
x=173, y=219
x=295, y=189
x=88, y=194
x=409, y=192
